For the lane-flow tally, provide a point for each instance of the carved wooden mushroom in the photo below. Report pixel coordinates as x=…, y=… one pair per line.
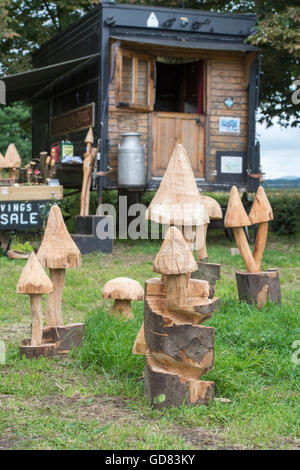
x=35, y=282
x=214, y=212
x=177, y=201
x=12, y=161
x=57, y=252
x=261, y=214
x=123, y=290
x=237, y=218
x=175, y=261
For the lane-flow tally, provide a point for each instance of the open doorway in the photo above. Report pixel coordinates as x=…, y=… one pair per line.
x=179, y=86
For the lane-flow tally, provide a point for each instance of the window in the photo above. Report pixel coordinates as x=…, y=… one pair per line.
x=135, y=80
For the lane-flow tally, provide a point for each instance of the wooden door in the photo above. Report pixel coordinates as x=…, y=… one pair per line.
x=169, y=129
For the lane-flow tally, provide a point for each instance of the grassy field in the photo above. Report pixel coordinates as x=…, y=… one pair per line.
x=94, y=398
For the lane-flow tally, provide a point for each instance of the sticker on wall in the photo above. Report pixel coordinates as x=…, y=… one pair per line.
x=152, y=21
x=229, y=124
x=232, y=165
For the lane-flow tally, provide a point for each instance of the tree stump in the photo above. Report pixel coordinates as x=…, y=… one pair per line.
x=180, y=349
x=210, y=272
x=65, y=337
x=258, y=288
x=46, y=350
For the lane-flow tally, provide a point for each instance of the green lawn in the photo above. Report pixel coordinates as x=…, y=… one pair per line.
x=93, y=399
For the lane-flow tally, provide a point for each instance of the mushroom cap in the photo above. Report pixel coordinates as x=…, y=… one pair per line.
x=213, y=207
x=177, y=200
x=174, y=256
x=58, y=250
x=12, y=158
x=261, y=210
x=236, y=215
x=33, y=279
x=89, y=139
x=123, y=288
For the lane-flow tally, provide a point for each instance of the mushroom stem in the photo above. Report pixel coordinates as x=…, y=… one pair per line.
x=202, y=252
x=242, y=244
x=177, y=290
x=260, y=243
x=37, y=319
x=54, y=310
x=122, y=309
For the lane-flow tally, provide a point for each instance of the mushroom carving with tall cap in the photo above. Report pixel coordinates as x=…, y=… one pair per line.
x=122, y=290
x=57, y=252
x=261, y=214
x=177, y=200
x=35, y=282
x=237, y=218
x=214, y=212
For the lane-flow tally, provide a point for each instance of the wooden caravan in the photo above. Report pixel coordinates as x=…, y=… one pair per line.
x=171, y=75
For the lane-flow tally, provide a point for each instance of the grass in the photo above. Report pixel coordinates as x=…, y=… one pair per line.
x=93, y=399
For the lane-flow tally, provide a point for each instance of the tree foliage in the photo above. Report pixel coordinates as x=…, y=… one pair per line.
x=27, y=24
x=15, y=125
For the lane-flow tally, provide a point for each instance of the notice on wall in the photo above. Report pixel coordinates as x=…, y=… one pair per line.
x=229, y=124
x=16, y=215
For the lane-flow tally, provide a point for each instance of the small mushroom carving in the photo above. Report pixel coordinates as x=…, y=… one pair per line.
x=122, y=290
x=35, y=282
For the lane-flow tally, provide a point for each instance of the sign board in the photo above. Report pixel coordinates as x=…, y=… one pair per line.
x=73, y=121
x=19, y=215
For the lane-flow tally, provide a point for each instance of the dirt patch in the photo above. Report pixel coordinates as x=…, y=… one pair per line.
x=200, y=439
x=6, y=444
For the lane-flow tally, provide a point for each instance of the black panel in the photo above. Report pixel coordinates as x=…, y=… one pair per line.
x=232, y=178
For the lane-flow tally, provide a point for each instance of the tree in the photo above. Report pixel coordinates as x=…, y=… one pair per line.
x=15, y=125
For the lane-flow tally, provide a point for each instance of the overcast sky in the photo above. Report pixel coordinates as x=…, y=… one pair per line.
x=280, y=151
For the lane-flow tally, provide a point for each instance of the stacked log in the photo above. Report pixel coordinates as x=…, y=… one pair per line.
x=180, y=349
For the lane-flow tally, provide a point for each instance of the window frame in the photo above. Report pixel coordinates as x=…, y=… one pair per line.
x=136, y=57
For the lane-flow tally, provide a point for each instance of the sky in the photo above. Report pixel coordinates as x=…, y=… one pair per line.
x=280, y=151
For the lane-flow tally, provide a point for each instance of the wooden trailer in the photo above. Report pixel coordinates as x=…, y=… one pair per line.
x=173, y=75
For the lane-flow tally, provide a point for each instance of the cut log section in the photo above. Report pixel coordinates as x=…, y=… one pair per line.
x=179, y=350
x=65, y=337
x=258, y=288
x=210, y=272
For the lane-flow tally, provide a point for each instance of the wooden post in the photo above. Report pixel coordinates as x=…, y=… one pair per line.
x=88, y=162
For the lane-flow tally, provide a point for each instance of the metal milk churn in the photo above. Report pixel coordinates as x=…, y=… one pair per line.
x=131, y=166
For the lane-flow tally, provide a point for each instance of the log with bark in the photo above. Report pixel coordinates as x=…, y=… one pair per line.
x=178, y=348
